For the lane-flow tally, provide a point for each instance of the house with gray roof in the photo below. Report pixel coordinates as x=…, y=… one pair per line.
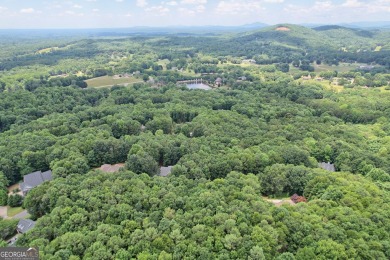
x=34, y=179
x=165, y=171
x=25, y=225
x=327, y=166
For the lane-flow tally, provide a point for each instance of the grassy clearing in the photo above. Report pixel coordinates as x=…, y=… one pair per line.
x=47, y=50
x=343, y=67
x=191, y=73
x=79, y=74
x=378, y=48
x=108, y=81
x=163, y=63
x=13, y=211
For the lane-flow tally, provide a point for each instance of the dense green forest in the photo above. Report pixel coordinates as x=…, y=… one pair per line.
x=288, y=99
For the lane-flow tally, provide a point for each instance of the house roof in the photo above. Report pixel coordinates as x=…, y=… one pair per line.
x=34, y=179
x=165, y=171
x=47, y=175
x=25, y=225
x=327, y=166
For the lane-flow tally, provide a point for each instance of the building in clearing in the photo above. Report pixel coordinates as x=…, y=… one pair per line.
x=218, y=82
x=34, y=179
x=165, y=171
x=25, y=225
x=327, y=166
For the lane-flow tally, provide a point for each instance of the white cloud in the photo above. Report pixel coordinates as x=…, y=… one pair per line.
x=323, y=5
x=158, y=10
x=77, y=6
x=119, y=1
x=27, y=10
x=371, y=7
x=2, y=9
x=90, y=0
x=193, y=2
x=72, y=13
x=142, y=3
x=352, y=4
x=192, y=11
x=274, y=1
x=242, y=7
x=318, y=7
x=171, y=3
x=200, y=8
x=95, y=10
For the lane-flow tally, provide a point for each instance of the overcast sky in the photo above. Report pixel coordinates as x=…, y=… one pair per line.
x=128, y=13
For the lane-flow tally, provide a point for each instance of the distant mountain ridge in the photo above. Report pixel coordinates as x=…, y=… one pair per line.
x=187, y=30
x=318, y=42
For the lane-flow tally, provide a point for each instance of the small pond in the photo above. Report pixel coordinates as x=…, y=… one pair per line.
x=198, y=86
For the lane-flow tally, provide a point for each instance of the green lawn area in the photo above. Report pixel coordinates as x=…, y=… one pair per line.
x=108, y=81
x=163, y=63
x=13, y=211
x=343, y=67
x=48, y=50
x=190, y=73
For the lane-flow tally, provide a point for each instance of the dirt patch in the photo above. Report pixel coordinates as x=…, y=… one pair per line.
x=283, y=29
x=280, y=202
x=111, y=168
x=13, y=187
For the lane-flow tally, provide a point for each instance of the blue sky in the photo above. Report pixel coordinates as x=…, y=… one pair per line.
x=128, y=13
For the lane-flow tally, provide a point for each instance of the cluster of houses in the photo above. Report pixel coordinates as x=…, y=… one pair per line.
x=30, y=181
x=36, y=178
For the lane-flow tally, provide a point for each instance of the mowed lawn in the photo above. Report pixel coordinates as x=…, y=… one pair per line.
x=108, y=81
x=13, y=211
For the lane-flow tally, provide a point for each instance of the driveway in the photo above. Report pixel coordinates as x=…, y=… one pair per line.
x=21, y=215
x=3, y=212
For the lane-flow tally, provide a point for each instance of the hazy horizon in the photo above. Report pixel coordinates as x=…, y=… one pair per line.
x=85, y=14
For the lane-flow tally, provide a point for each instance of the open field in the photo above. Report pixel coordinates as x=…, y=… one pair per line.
x=108, y=81
x=47, y=50
x=163, y=63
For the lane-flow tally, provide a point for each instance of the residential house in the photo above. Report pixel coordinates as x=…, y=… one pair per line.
x=25, y=225
x=165, y=171
x=306, y=77
x=34, y=179
x=218, y=82
x=327, y=166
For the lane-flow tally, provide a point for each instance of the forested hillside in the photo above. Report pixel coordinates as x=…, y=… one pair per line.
x=278, y=106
